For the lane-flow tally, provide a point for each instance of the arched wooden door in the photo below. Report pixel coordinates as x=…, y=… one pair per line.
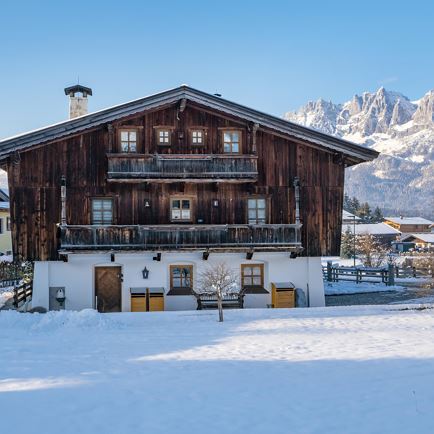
x=108, y=289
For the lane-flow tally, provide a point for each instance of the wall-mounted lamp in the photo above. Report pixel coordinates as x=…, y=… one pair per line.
x=64, y=257
x=112, y=257
x=60, y=296
x=249, y=254
x=205, y=255
x=293, y=255
x=145, y=273
x=147, y=203
x=215, y=203
x=157, y=257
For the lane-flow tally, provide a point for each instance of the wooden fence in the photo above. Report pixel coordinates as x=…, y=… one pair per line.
x=22, y=293
x=387, y=275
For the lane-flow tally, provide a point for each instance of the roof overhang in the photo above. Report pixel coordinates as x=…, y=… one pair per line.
x=354, y=153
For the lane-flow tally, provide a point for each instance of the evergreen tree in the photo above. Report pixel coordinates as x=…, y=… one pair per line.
x=377, y=216
x=347, y=202
x=347, y=244
x=355, y=205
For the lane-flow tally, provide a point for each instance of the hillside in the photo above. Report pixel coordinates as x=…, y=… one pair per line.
x=400, y=181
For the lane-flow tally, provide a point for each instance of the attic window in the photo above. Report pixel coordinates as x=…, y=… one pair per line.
x=197, y=137
x=163, y=137
x=128, y=140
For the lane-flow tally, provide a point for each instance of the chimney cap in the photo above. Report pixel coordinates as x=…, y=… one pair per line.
x=78, y=88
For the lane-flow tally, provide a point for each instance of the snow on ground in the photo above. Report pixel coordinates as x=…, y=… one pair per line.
x=324, y=370
x=5, y=294
x=347, y=287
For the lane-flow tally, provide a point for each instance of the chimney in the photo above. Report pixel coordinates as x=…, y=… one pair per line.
x=77, y=100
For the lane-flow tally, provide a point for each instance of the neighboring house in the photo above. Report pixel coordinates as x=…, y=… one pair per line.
x=141, y=197
x=424, y=240
x=5, y=224
x=382, y=232
x=409, y=224
x=348, y=218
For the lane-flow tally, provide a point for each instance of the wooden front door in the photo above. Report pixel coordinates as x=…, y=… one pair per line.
x=108, y=289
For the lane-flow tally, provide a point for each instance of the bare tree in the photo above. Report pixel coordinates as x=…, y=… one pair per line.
x=370, y=251
x=218, y=280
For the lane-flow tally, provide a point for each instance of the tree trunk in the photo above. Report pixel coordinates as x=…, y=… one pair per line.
x=220, y=305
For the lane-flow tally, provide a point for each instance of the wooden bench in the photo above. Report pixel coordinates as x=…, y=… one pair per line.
x=229, y=301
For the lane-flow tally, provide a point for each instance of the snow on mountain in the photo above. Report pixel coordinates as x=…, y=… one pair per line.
x=401, y=180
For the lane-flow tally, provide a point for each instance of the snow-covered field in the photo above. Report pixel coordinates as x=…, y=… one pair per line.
x=324, y=370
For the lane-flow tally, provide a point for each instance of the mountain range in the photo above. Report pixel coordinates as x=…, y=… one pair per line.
x=401, y=180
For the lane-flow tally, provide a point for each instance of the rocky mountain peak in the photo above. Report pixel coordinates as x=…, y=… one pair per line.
x=402, y=130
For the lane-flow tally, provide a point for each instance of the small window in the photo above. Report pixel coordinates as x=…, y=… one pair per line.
x=163, y=137
x=1, y=226
x=197, y=137
x=256, y=211
x=252, y=276
x=8, y=223
x=180, y=209
x=231, y=142
x=128, y=141
x=181, y=280
x=102, y=211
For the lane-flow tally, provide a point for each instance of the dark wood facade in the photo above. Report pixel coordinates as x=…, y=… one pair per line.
x=93, y=166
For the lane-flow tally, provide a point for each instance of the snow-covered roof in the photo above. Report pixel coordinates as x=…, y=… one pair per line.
x=372, y=229
x=408, y=220
x=346, y=215
x=4, y=205
x=426, y=237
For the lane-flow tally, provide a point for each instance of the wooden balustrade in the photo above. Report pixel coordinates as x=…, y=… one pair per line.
x=171, y=168
x=168, y=237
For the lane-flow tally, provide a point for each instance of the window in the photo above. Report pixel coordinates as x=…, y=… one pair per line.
x=128, y=141
x=256, y=211
x=163, y=137
x=180, y=209
x=252, y=278
x=102, y=211
x=197, y=137
x=1, y=226
x=8, y=223
x=231, y=142
x=181, y=280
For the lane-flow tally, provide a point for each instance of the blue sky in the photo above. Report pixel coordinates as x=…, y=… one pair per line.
x=271, y=55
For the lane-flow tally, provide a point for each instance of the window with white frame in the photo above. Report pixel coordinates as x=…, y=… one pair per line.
x=163, y=137
x=197, y=137
x=231, y=141
x=256, y=210
x=128, y=140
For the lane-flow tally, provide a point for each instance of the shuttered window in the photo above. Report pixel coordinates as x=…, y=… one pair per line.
x=102, y=211
x=256, y=211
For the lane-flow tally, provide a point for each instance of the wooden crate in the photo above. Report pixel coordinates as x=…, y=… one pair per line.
x=281, y=296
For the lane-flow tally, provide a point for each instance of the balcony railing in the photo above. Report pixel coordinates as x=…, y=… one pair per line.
x=179, y=237
x=195, y=167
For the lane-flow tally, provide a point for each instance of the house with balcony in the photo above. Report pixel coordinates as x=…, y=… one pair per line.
x=140, y=198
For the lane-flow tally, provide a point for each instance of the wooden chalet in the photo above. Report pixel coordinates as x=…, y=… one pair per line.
x=173, y=178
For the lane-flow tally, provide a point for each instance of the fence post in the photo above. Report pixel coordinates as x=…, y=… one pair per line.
x=391, y=275
x=414, y=271
x=329, y=271
x=397, y=271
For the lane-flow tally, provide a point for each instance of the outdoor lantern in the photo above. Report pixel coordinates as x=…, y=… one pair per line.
x=60, y=296
x=145, y=273
x=215, y=203
x=147, y=203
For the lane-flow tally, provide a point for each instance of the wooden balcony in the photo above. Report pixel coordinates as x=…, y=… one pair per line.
x=181, y=237
x=186, y=168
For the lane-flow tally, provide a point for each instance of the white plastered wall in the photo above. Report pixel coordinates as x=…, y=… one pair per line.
x=77, y=276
